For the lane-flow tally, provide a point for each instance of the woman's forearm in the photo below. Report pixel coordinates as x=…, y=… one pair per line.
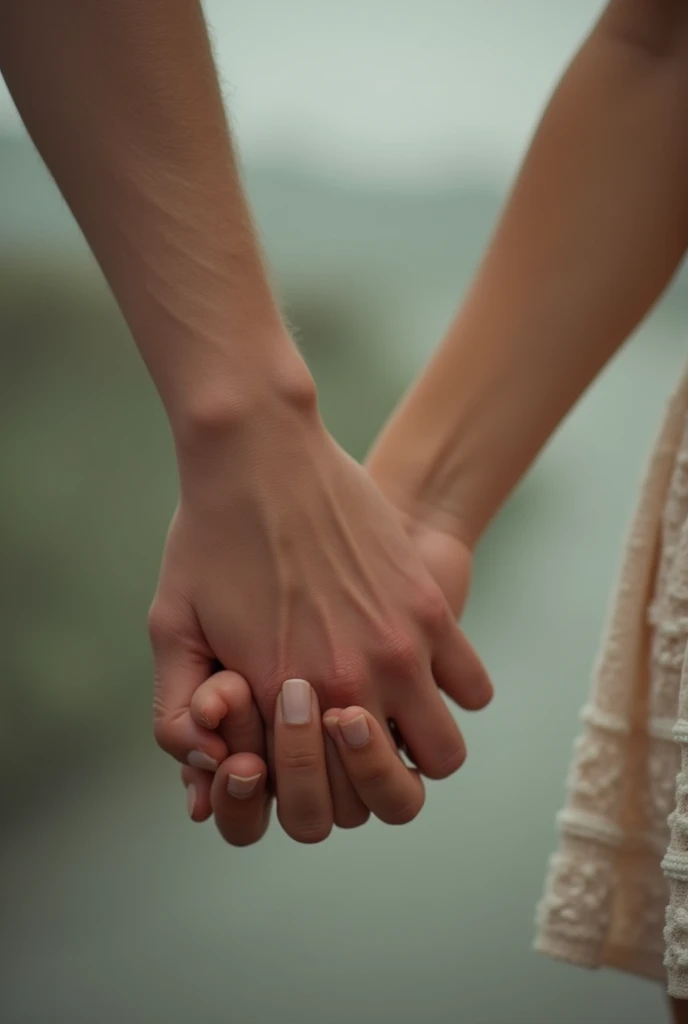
x=122, y=101
x=591, y=235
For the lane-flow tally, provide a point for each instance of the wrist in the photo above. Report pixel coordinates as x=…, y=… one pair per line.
x=231, y=441
x=441, y=538
x=426, y=501
x=235, y=403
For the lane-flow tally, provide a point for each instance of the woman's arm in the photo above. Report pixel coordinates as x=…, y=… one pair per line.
x=592, y=233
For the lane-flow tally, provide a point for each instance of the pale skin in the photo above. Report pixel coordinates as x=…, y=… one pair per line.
x=284, y=559
x=592, y=233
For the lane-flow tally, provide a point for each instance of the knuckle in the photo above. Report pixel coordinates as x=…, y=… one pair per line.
x=300, y=760
x=346, y=686
x=431, y=608
x=269, y=695
x=235, y=694
x=166, y=726
x=163, y=732
x=375, y=776
x=399, y=654
x=171, y=621
x=199, y=711
x=158, y=624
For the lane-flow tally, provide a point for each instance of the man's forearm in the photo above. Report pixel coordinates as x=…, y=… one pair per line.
x=593, y=232
x=123, y=103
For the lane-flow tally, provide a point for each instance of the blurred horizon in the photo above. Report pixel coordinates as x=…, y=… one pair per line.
x=396, y=86
x=116, y=907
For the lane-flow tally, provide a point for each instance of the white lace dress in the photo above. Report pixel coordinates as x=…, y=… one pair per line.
x=617, y=889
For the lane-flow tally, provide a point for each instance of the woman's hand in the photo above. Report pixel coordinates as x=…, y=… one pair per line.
x=239, y=795
x=284, y=561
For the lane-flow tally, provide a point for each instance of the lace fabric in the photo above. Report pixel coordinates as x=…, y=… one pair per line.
x=617, y=889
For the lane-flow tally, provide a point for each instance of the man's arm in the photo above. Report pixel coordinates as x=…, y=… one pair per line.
x=283, y=559
x=592, y=233
x=123, y=103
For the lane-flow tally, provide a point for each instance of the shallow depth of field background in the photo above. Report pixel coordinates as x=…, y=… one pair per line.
x=378, y=140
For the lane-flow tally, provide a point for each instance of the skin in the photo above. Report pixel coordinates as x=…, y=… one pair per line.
x=283, y=559
x=592, y=234
x=573, y=277
x=584, y=248
x=377, y=777
x=594, y=230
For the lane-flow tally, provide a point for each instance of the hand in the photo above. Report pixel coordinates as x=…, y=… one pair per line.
x=361, y=779
x=445, y=555
x=284, y=560
x=238, y=794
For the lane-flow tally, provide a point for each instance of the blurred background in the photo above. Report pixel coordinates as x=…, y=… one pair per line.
x=378, y=140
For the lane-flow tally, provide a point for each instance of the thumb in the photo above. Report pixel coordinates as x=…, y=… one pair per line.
x=182, y=662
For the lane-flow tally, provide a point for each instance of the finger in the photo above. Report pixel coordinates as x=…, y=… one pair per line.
x=400, y=744
x=347, y=807
x=224, y=702
x=304, y=804
x=458, y=670
x=179, y=671
x=428, y=731
x=393, y=792
x=238, y=793
x=197, y=784
x=240, y=799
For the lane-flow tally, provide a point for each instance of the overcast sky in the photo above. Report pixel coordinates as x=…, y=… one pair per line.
x=391, y=88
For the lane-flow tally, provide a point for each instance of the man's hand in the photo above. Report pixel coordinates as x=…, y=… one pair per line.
x=349, y=780
x=285, y=560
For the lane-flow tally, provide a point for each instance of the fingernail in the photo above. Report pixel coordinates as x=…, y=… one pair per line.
x=240, y=786
x=330, y=722
x=355, y=732
x=296, y=702
x=197, y=759
x=191, y=799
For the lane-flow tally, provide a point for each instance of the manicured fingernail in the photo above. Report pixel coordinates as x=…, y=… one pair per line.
x=240, y=786
x=296, y=702
x=197, y=759
x=355, y=732
x=191, y=799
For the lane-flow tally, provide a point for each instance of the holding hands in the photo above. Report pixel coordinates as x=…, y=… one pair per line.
x=318, y=595
x=286, y=559
x=336, y=775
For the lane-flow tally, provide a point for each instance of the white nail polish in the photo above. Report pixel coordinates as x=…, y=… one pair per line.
x=241, y=787
x=296, y=702
x=197, y=759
